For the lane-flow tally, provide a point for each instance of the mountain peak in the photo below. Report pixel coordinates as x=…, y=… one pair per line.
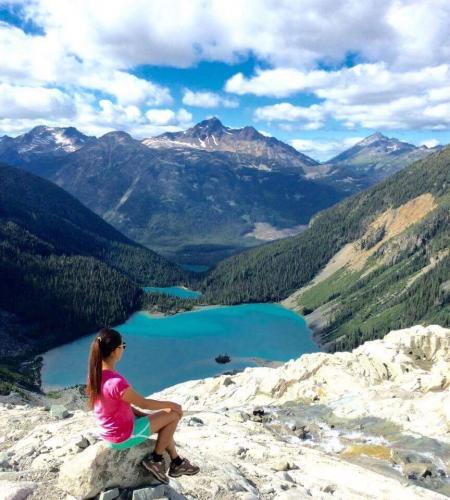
x=210, y=121
x=212, y=135
x=39, y=129
x=117, y=136
x=48, y=140
x=377, y=136
x=210, y=125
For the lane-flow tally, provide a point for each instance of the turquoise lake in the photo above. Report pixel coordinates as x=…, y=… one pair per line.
x=163, y=351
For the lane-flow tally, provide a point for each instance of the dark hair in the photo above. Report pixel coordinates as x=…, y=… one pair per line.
x=102, y=346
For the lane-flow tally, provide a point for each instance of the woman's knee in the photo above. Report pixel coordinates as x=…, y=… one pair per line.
x=176, y=416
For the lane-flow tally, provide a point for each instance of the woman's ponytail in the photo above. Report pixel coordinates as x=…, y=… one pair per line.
x=102, y=346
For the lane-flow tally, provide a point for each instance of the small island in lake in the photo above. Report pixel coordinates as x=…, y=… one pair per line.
x=222, y=358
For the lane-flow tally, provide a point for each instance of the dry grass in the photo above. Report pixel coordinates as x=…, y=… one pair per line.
x=395, y=221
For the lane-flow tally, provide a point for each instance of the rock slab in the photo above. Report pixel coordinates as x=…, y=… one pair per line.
x=11, y=490
x=100, y=467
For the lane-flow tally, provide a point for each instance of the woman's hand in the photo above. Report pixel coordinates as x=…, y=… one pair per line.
x=134, y=398
x=174, y=407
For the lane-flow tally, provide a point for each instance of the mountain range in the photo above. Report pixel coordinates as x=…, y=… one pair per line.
x=212, y=135
x=202, y=194
x=368, y=162
x=185, y=202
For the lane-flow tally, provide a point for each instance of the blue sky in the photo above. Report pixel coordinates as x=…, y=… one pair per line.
x=319, y=75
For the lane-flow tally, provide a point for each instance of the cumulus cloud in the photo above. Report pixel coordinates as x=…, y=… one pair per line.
x=368, y=95
x=33, y=102
x=92, y=116
x=430, y=143
x=112, y=116
x=324, y=150
x=42, y=80
x=206, y=99
x=281, y=32
x=89, y=51
x=168, y=117
x=126, y=88
x=309, y=118
x=363, y=82
x=42, y=59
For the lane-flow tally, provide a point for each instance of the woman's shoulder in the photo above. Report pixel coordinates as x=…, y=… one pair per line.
x=113, y=378
x=111, y=374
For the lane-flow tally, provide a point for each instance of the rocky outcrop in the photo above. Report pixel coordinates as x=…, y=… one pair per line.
x=369, y=424
x=404, y=377
x=100, y=467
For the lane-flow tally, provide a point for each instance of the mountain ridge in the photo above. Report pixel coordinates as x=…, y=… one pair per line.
x=212, y=135
x=402, y=278
x=160, y=195
x=203, y=205
x=79, y=272
x=370, y=161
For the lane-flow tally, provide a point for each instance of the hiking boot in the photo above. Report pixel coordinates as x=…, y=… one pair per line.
x=158, y=469
x=185, y=468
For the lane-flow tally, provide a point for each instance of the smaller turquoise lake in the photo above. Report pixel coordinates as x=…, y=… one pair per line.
x=163, y=351
x=176, y=291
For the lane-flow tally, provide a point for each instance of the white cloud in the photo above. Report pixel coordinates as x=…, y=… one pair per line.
x=90, y=116
x=90, y=48
x=324, y=150
x=43, y=60
x=363, y=83
x=126, y=88
x=279, y=82
x=206, y=99
x=282, y=32
x=310, y=118
x=33, y=102
x=430, y=143
x=367, y=95
x=168, y=117
x=404, y=33
x=112, y=116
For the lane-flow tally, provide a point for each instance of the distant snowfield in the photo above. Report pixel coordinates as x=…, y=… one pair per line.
x=266, y=232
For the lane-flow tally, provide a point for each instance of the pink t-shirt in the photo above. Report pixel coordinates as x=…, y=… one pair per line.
x=114, y=416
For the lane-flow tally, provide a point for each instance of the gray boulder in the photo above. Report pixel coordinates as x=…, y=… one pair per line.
x=110, y=494
x=59, y=411
x=11, y=490
x=100, y=467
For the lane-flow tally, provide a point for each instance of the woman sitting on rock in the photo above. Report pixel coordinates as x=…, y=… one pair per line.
x=121, y=425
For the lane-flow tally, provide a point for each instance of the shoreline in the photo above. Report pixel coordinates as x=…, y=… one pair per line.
x=315, y=321
x=161, y=315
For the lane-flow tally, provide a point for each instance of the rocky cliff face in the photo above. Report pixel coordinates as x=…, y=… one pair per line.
x=373, y=423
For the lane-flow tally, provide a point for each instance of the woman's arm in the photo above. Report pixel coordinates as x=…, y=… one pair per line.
x=134, y=398
x=138, y=413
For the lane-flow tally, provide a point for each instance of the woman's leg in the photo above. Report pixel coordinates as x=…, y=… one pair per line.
x=171, y=450
x=165, y=423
